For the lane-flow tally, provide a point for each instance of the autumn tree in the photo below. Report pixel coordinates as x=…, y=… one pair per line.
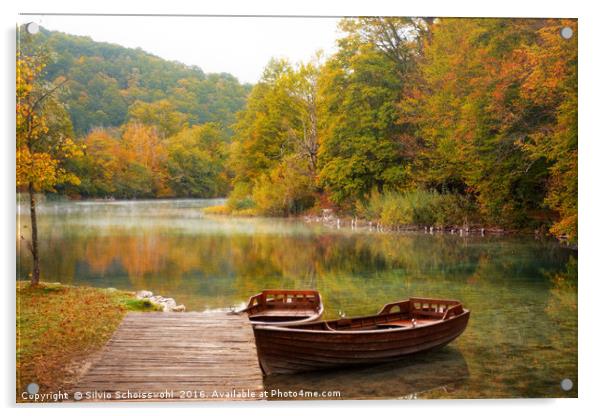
x=162, y=114
x=195, y=164
x=481, y=111
x=261, y=135
x=142, y=163
x=44, y=141
x=400, y=39
x=545, y=107
x=363, y=147
x=302, y=121
x=279, y=127
x=98, y=164
x=465, y=149
x=495, y=110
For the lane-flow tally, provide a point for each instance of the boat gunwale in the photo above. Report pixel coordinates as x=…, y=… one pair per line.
x=294, y=328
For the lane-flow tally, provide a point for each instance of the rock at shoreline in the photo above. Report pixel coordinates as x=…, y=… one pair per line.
x=166, y=304
x=144, y=294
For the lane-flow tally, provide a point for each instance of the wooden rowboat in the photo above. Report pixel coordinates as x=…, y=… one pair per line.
x=399, y=329
x=279, y=307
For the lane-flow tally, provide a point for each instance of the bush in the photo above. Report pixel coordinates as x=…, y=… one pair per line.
x=240, y=197
x=218, y=210
x=418, y=207
x=286, y=190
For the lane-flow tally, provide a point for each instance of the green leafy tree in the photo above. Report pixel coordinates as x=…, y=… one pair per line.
x=261, y=131
x=161, y=114
x=278, y=129
x=196, y=158
x=362, y=145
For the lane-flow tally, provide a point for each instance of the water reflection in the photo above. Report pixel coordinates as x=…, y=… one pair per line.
x=523, y=292
x=444, y=370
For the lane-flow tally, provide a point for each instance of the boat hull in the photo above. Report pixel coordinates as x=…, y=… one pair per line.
x=285, y=350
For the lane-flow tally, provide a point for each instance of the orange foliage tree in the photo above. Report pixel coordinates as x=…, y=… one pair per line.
x=495, y=104
x=143, y=158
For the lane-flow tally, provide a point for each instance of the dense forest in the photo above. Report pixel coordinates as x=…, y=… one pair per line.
x=439, y=122
x=444, y=122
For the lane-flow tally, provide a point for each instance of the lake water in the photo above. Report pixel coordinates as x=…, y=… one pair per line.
x=521, y=340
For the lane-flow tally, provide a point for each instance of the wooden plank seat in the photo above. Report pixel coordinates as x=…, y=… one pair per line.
x=294, y=312
x=402, y=323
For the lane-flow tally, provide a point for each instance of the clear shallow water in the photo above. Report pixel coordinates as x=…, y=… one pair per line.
x=521, y=340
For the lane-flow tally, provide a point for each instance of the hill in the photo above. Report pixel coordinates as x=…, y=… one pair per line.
x=108, y=81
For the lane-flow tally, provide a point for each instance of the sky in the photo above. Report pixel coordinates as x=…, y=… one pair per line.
x=241, y=46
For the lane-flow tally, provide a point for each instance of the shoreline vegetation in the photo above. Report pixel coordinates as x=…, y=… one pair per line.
x=419, y=211
x=61, y=327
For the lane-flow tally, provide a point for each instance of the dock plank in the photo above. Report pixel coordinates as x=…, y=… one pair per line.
x=191, y=355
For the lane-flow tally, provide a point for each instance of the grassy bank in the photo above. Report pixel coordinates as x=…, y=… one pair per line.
x=228, y=210
x=238, y=204
x=59, y=327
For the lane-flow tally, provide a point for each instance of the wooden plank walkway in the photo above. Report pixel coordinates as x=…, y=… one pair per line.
x=193, y=355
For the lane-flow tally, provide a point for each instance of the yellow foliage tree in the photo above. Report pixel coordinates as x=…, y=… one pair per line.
x=43, y=142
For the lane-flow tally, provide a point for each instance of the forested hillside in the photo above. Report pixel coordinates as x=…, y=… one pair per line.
x=144, y=127
x=110, y=84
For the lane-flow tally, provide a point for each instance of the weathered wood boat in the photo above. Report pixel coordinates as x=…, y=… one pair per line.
x=278, y=307
x=399, y=329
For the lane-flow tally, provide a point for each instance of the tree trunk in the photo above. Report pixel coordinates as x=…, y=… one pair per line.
x=35, y=275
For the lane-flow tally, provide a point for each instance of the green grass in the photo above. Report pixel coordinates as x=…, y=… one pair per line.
x=140, y=305
x=59, y=326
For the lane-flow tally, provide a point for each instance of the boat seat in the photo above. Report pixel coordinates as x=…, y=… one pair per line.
x=297, y=313
x=402, y=323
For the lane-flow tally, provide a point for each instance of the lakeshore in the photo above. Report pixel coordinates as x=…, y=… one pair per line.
x=333, y=220
x=61, y=327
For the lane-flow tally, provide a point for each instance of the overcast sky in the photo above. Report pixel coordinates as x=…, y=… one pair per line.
x=240, y=46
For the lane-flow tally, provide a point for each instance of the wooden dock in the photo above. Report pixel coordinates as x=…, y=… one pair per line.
x=172, y=356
